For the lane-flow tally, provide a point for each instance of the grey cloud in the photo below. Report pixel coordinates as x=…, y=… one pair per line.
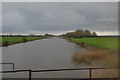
x=25, y=16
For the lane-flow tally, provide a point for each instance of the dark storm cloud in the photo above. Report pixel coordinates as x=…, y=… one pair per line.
x=25, y=17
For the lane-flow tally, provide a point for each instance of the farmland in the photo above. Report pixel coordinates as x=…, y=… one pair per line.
x=14, y=40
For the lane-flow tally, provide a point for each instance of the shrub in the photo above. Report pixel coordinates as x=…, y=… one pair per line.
x=24, y=39
x=5, y=43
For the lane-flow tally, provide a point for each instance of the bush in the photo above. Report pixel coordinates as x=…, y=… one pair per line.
x=24, y=39
x=5, y=43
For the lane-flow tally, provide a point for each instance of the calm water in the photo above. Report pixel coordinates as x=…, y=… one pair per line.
x=43, y=54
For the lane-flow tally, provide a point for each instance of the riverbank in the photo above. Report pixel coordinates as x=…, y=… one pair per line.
x=6, y=41
x=110, y=43
x=102, y=52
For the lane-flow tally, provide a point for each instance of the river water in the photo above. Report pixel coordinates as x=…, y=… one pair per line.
x=42, y=54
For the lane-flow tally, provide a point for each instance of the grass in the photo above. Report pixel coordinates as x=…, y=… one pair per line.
x=14, y=40
x=106, y=73
x=98, y=58
x=103, y=42
x=106, y=55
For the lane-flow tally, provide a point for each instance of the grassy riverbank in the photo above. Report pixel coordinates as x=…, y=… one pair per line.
x=104, y=53
x=15, y=40
x=103, y=42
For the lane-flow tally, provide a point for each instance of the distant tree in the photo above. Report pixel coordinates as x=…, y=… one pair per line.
x=94, y=34
x=48, y=35
x=87, y=33
x=80, y=33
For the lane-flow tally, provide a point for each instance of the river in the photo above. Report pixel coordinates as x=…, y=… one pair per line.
x=42, y=54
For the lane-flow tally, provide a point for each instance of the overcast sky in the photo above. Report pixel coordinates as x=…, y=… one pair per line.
x=58, y=18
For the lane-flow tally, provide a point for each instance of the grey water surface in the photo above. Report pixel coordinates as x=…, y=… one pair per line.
x=51, y=53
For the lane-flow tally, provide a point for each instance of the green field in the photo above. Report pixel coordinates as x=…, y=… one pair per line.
x=14, y=40
x=103, y=42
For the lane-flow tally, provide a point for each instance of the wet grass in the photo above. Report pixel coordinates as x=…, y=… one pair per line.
x=15, y=40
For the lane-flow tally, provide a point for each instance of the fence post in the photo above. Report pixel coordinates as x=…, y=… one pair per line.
x=30, y=76
x=13, y=66
x=90, y=74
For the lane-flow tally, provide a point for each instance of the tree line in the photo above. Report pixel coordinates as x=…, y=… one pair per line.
x=80, y=33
